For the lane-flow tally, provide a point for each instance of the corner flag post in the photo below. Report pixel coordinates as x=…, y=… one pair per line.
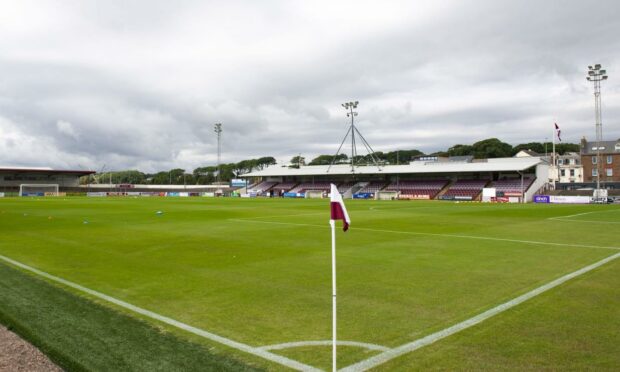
x=333, y=225
x=338, y=212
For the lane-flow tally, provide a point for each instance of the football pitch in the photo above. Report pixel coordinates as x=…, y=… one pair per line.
x=421, y=285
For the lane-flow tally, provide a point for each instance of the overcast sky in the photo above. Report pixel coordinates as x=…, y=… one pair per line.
x=139, y=84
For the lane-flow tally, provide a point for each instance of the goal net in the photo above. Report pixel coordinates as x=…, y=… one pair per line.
x=387, y=195
x=28, y=189
x=315, y=194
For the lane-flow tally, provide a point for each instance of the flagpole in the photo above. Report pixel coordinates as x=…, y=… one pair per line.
x=333, y=225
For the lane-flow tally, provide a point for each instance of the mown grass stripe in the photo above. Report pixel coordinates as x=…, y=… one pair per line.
x=175, y=323
x=417, y=344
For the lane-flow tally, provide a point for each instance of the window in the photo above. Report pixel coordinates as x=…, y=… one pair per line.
x=594, y=160
x=594, y=172
x=609, y=159
x=572, y=173
x=563, y=172
x=609, y=172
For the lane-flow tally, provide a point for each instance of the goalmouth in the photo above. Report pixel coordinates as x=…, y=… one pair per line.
x=38, y=189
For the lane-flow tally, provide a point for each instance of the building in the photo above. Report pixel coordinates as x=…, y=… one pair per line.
x=608, y=164
x=12, y=177
x=448, y=179
x=569, y=168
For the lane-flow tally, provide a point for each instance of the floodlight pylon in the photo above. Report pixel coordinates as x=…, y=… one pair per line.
x=349, y=106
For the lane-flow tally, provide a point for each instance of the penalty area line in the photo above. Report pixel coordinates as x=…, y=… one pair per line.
x=164, y=319
x=434, y=337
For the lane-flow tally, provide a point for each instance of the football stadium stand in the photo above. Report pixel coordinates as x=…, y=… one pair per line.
x=283, y=187
x=417, y=189
x=313, y=186
x=465, y=189
x=512, y=186
x=261, y=187
x=372, y=187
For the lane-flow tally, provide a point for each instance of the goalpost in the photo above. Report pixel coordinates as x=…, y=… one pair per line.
x=387, y=195
x=36, y=189
x=315, y=194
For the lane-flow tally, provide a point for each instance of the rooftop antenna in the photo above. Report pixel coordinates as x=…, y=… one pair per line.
x=349, y=106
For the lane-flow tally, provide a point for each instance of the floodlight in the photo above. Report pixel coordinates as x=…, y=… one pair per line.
x=603, y=72
x=590, y=67
x=597, y=66
x=590, y=73
x=588, y=78
x=604, y=77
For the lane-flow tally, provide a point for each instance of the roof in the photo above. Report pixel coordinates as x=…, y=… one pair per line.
x=420, y=167
x=607, y=147
x=528, y=152
x=44, y=170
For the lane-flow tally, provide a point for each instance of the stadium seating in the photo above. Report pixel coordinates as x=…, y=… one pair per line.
x=262, y=186
x=512, y=185
x=283, y=187
x=314, y=186
x=408, y=187
x=344, y=187
x=465, y=189
x=372, y=187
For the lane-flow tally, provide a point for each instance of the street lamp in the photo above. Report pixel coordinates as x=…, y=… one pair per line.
x=595, y=75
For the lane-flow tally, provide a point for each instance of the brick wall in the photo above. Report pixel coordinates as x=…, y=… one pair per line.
x=586, y=160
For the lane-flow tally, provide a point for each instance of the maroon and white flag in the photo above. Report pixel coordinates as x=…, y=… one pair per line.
x=558, y=131
x=339, y=212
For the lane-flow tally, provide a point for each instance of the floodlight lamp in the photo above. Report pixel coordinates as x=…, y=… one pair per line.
x=588, y=78
x=604, y=77
x=597, y=66
x=590, y=67
x=603, y=72
x=590, y=73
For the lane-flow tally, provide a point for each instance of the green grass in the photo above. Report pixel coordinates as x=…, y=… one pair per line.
x=81, y=335
x=258, y=271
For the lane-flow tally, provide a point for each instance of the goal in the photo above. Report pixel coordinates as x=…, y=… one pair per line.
x=387, y=195
x=34, y=189
x=315, y=194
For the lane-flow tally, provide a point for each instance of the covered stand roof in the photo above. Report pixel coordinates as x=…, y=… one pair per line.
x=45, y=170
x=420, y=167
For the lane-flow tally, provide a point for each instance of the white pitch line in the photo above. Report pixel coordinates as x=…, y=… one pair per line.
x=288, y=345
x=574, y=215
x=164, y=319
x=581, y=214
x=286, y=215
x=440, y=235
x=586, y=221
x=417, y=344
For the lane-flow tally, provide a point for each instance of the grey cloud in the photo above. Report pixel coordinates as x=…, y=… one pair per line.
x=466, y=72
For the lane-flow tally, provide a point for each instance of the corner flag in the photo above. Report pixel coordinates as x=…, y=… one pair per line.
x=339, y=212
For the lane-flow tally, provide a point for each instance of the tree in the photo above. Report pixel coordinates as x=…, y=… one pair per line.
x=327, y=159
x=491, y=148
x=532, y=146
x=265, y=161
x=562, y=148
x=297, y=161
x=461, y=150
